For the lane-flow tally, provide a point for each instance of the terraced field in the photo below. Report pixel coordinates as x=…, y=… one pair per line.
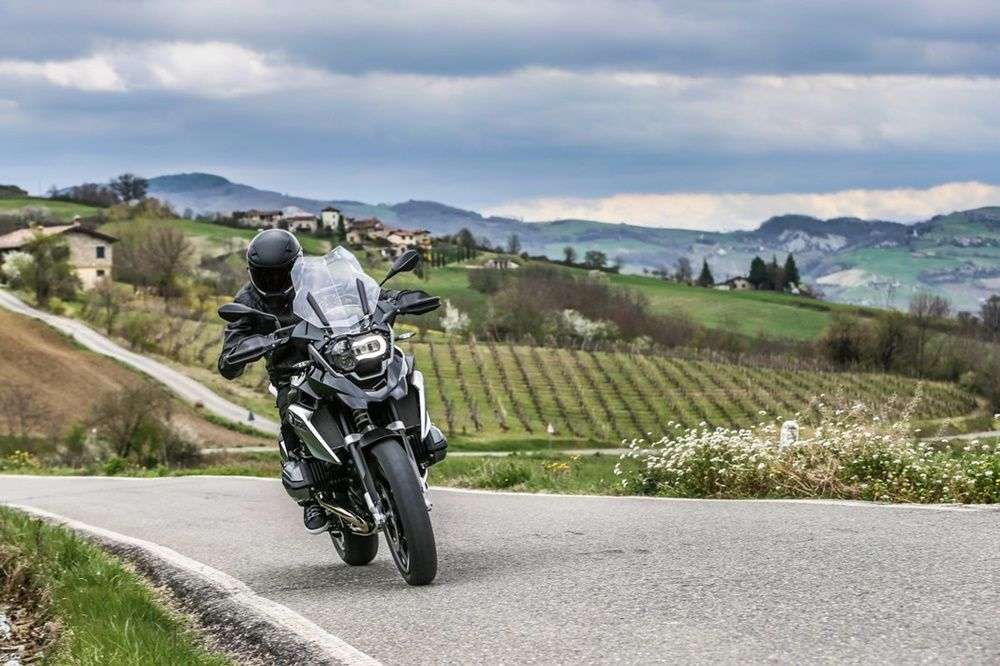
x=488, y=389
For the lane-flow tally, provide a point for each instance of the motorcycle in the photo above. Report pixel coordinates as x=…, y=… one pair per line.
x=359, y=406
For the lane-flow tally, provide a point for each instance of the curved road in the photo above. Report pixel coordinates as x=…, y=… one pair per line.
x=535, y=579
x=186, y=388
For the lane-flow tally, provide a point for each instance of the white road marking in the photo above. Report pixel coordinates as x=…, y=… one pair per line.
x=237, y=590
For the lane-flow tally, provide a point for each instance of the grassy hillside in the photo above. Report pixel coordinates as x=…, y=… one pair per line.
x=747, y=312
x=75, y=380
x=490, y=392
x=62, y=210
x=215, y=239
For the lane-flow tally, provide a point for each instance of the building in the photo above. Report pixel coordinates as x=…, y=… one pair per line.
x=408, y=238
x=360, y=231
x=735, y=284
x=330, y=218
x=258, y=219
x=90, y=252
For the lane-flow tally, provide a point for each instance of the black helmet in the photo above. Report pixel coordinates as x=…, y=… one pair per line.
x=270, y=257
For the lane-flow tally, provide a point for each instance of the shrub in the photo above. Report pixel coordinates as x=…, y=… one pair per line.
x=137, y=328
x=486, y=280
x=851, y=451
x=19, y=460
x=506, y=474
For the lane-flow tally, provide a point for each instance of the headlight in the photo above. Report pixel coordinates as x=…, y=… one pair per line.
x=369, y=346
x=345, y=354
x=342, y=356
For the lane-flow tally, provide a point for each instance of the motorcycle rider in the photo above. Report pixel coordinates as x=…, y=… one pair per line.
x=270, y=257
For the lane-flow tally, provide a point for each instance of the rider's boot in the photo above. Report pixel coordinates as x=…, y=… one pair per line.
x=314, y=518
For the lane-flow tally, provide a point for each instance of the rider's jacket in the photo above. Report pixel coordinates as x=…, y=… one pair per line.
x=243, y=331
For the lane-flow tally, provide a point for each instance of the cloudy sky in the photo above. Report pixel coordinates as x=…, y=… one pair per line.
x=700, y=113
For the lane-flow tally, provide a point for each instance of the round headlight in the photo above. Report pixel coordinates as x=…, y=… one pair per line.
x=342, y=356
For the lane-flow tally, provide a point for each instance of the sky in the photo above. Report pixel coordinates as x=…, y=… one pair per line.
x=708, y=114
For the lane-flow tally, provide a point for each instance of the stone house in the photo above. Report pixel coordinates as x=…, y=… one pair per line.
x=258, y=219
x=90, y=251
x=735, y=284
x=364, y=230
x=330, y=217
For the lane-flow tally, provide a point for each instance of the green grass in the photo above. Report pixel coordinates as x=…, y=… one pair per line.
x=220, y=235
x=63, y=210
x=106, y=614
x=747, y=312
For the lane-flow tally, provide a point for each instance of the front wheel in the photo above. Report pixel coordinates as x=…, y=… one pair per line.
x=408, y=530
x=355, y=549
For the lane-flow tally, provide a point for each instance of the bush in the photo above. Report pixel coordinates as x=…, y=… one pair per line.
x=500, y=475
x=137, y=328
x=852, y=452
x=486, y=280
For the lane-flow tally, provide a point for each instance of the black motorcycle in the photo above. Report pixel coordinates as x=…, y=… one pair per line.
x=359, y=406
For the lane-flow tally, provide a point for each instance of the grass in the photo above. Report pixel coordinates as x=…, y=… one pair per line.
x=219, y=235
x=63, y=210
x=106, y=614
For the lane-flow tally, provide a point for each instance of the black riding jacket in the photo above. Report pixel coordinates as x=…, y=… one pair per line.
x=243, y=331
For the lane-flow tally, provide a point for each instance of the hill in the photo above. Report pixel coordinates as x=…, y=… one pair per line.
x=76, y=379
x=866, y=262
x=60, y=210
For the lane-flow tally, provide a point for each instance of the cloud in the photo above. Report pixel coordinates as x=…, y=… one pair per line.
x=690, y=210
x=96, y=73
x=207, y=69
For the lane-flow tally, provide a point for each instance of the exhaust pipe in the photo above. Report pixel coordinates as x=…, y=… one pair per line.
x=357, y=523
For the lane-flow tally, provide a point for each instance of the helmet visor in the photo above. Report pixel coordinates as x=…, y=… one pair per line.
x=272, y=281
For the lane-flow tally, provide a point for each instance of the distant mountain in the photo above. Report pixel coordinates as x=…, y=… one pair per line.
x=872, y=262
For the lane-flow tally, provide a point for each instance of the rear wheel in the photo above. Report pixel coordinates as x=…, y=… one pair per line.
x=408, y=531
x=355, y=549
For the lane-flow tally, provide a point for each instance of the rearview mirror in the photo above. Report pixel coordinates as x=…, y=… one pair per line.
x=404, y=263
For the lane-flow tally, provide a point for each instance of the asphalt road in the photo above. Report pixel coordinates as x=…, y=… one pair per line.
x=533, y=579
x=183, y=386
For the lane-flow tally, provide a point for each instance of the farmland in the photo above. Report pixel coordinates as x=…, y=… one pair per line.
x=485, y=390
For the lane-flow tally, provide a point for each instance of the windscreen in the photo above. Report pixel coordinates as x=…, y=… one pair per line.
x=333, y=282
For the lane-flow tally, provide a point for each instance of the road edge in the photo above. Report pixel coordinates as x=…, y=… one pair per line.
x=237, y=618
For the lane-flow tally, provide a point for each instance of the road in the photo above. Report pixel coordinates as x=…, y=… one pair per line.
x=183, y=386
x=534, y=579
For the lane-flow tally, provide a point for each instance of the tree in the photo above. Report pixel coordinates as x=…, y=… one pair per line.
x=792, y=276
x=705, y=279
x=50, y=273
x=889, y=340
x=595, y=259
x=129, y=187
x=188, y=214
x=684, y=273
x=570, y=255
x=341, y=229
x=21, y=411
x=104, y=303
x=464, y=238
x=990, y=313
x=92, y=194
x=133, y=419
x=758, y=273
x=775, y=276
x=155, y=255
x=842, y=341
x=926, y=310
x=514, y=244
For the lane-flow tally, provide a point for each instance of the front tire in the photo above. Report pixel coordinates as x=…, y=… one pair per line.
x=355, y=549
x=408, y=531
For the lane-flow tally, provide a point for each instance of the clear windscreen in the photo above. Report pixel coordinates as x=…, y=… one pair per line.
x=333, y=281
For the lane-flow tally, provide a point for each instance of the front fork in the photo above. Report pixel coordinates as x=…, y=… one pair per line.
x=363, y=422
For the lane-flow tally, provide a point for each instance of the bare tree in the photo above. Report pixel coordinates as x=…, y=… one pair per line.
x=130, y=417
x=926, y=310
x=156, y=255
x=990, y=314
x=20, y=410
x=104, y=303
x=684, y=273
